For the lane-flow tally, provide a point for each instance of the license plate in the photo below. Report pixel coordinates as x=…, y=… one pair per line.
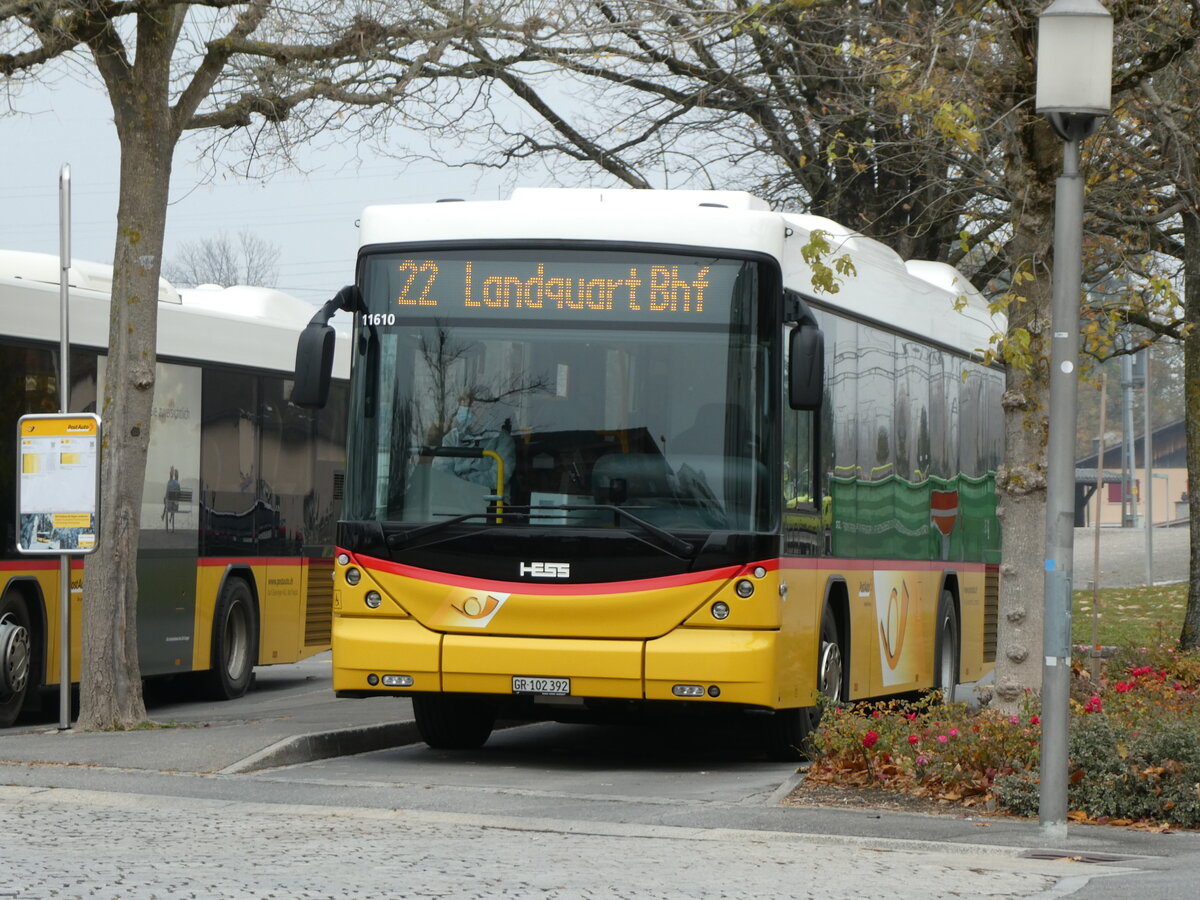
x=553, y=687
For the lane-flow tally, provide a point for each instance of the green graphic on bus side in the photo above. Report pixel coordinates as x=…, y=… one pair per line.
x=952, y=519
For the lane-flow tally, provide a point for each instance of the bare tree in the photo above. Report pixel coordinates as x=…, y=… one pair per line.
x=219, y=260
x=1161, y=127
x=282, y=73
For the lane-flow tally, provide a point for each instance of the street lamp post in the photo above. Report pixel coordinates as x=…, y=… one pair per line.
x=1074, y=75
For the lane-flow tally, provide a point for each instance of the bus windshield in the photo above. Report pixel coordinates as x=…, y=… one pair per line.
x=556, y=384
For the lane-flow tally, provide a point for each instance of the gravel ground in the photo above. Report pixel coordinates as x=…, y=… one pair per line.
x=1123, y=556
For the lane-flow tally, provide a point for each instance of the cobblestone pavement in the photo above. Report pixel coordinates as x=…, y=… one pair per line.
x=69, y=843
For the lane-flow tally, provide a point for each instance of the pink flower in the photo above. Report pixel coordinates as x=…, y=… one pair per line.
x=942, y=739
x=875, y=714
x=1093, y=704
x=922, y=761
x=1014, y=719
x=1124, y=687
x=912, y=717
x=953, y=732
x=913, y=739
x=870, y=738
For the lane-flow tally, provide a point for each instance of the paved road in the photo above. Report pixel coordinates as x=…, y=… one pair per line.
x=1123, y=556
x=185, y=847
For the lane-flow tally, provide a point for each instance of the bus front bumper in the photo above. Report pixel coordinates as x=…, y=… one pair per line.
x=696, y=664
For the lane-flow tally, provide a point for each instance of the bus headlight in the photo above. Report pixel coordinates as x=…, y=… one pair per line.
x=372, y=599
x=353, y=577
x=720, y=610
x=744, y=588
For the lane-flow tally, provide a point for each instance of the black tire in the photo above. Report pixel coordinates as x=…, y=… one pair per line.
x=789, y=730
x=234, y=641
x=453, y=723
x=946, y=648
x=16, y=657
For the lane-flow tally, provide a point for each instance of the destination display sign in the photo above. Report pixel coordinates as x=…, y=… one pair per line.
x=550, y=284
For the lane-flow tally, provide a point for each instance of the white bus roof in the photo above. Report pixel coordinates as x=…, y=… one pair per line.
x=242, y=326
x=915, y=296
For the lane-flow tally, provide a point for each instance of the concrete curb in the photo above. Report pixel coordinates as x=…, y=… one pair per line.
x=303, y=748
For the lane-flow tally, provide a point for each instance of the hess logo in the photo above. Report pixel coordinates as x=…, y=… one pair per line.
x=545, y=570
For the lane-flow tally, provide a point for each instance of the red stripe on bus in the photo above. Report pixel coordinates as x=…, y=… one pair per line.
x=261, y=560
x=880, y=565
x=37, y=564
x=541, y=587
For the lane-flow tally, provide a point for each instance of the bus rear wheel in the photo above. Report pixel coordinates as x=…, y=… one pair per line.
x=16, y=657
x=453, y=723
x=789, y=731
x=234, y=641
x=946, y=648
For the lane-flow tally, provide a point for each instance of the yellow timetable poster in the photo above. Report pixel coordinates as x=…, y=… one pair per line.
x=58, y=489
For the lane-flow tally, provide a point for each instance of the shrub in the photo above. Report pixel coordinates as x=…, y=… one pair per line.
x=1134, y=746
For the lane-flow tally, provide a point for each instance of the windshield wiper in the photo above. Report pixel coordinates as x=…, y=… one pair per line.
x=415, y=536
x=676, y=546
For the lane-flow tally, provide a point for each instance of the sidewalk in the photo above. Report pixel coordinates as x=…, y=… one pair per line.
x=289, y=715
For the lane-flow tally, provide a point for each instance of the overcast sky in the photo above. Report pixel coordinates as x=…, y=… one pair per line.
x=309, y=217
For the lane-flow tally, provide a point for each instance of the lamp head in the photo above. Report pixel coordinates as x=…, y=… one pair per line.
x=1074, y=66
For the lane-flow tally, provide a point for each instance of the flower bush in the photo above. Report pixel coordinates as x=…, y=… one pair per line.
x=1134, y=746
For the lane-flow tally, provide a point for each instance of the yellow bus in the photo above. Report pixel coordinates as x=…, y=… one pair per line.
x=242, y=491
x=611, y=452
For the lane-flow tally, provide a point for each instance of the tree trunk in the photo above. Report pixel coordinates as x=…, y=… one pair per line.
x=1189, y=636
x=1021, y=486
x=1032, y=162
x=110, y=678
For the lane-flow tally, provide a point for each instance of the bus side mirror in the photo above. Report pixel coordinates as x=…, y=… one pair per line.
x=806, y=368
x=314, y=366
x=314, y=350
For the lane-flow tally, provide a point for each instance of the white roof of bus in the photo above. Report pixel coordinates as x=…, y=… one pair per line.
x=916, y=296
x=244, y=326
x=46, y=268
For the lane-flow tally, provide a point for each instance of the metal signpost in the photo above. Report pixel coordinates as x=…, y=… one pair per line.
x=58, y=493
x=58, y=473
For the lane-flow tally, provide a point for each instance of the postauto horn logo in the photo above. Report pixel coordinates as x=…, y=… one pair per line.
x=478, y=609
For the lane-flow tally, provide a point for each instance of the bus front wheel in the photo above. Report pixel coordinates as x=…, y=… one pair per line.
x=16, y=657
x=453, y=723
x=789, y=731
x=234, y=641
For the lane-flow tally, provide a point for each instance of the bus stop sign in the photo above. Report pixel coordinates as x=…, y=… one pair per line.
x=58, y=483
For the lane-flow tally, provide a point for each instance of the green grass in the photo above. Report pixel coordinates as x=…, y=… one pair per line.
x=1130, y=617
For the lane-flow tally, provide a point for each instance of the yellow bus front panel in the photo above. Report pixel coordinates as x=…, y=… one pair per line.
x=363, y=647
x=742, y=666
x=486, y=665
